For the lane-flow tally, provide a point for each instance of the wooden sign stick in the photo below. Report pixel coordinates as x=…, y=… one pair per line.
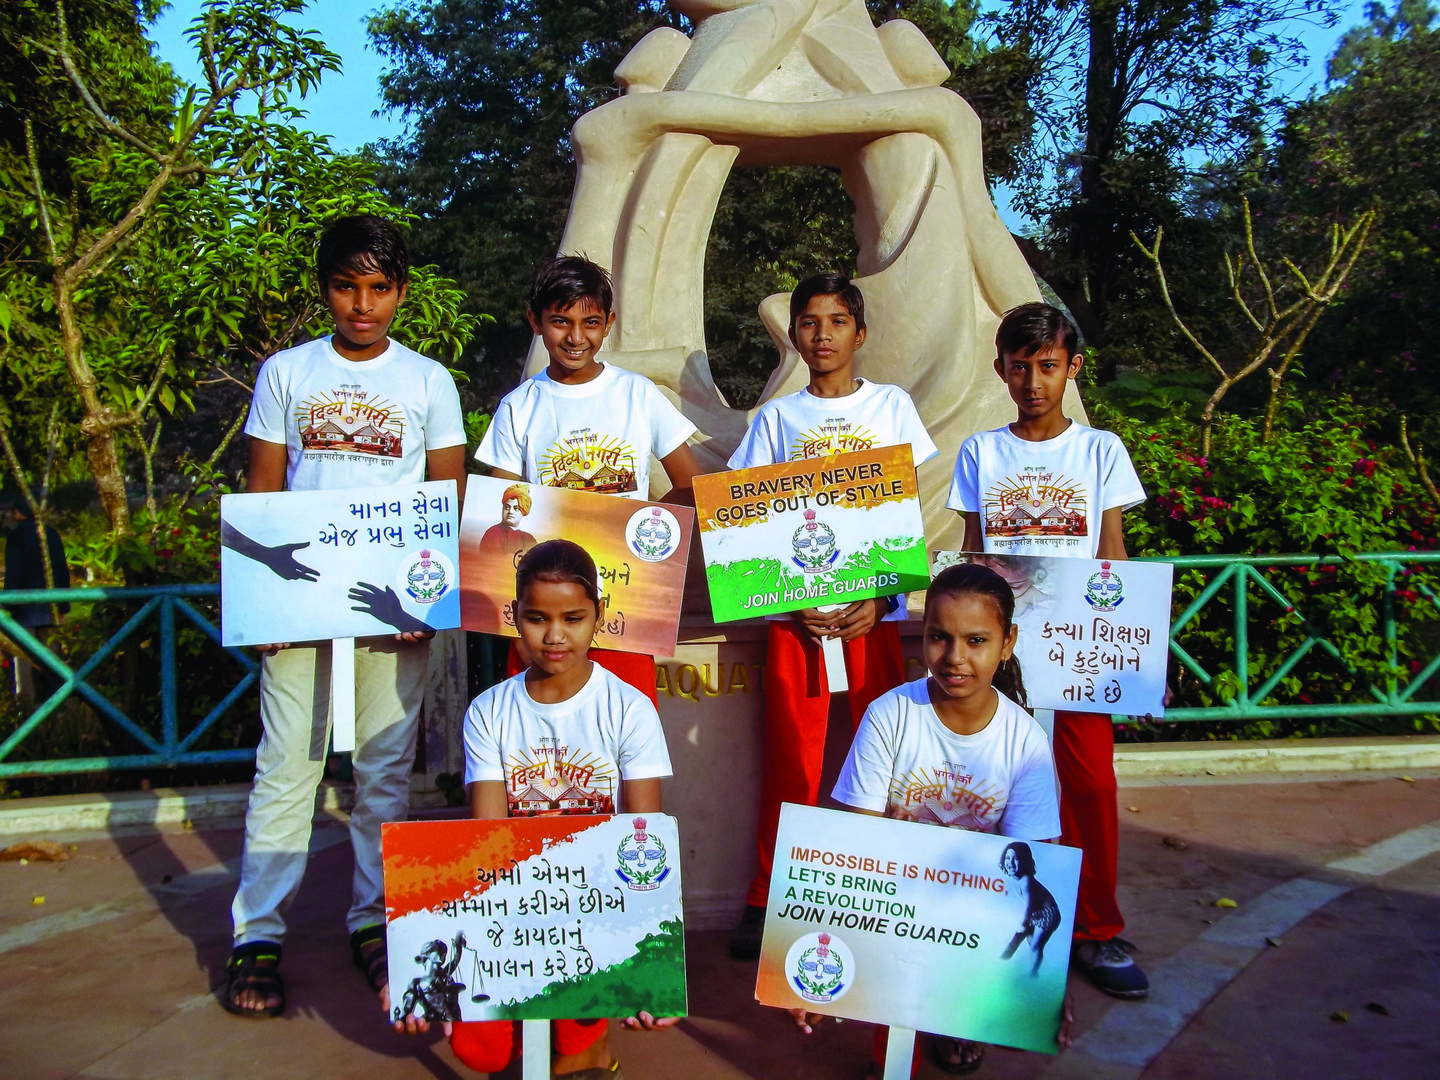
x=342, y=694
x=535, y=1041
x=899, y=1052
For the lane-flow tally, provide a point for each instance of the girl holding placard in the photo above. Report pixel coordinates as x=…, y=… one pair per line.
x=963, y=728
x=515, y=765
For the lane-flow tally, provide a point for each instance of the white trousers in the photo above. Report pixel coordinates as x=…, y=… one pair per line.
x=290, y=761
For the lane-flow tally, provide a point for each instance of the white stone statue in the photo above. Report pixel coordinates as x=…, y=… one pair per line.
x=795, y=82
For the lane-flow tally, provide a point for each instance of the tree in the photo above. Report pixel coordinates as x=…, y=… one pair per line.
x=490, y=89
x=1279, y=306
x=246, y=53
x=1371, y=143
x=189, y=286
x=1135, y=93
x=1363, y=44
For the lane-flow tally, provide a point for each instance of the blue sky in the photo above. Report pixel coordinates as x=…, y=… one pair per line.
x=347, y=105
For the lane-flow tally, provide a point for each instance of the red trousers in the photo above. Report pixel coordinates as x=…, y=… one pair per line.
x=637, y=669
x=797, y=712
x=489, y=1045
x=1089, y=817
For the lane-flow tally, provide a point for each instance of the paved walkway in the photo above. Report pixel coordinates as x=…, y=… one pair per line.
x=1336, y=881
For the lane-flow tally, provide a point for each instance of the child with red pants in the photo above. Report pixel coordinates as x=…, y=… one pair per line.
x=836, y=413
x=558, y=427
x=1072, y=483
x=562, y=698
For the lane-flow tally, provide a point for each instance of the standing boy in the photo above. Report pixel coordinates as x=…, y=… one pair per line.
x=836, y=414
x=307, y=399
x=1041, y=460
x=586, y=424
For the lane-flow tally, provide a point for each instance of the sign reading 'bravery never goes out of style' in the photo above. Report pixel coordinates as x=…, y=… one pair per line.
x=811, y=533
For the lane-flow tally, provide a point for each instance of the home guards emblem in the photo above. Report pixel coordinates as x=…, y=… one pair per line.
x=814, y=545
x=429, y=577
x=642, y=859
x=1104, y=591
x=820, y=967
x=652, y=534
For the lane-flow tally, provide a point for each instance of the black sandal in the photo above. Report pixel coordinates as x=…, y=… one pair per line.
x=368, y=950
x=254, y=966
x=957, y=1057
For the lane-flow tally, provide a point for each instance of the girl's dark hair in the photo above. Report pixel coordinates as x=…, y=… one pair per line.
x=363, y=243
x=828, y=284
x=558, y=561
x=567, y=279
x=1027, y=329
x=965, y=579
x=1024, y=858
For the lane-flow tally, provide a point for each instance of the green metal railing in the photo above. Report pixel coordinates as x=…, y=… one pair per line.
x=162, y=603
x=1229, y=577
x=1241, y=574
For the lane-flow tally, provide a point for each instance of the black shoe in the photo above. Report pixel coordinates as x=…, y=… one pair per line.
x=1107, y=964
x=745, y=938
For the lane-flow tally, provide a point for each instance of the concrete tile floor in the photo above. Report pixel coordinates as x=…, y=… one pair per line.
x=110, y=977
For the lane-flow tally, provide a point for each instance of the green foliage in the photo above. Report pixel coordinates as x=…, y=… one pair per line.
x=1372, y=143
x=219, y=274
x=490, y=89
x=1364, y=44
x=1321, y=485
x=1135, y=93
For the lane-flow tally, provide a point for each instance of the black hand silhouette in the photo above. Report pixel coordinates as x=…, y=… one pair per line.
x=281, y=559
x=385, y=606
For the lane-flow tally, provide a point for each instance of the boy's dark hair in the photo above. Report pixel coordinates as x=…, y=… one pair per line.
x=558, y=561
x=829, y=284
x=567, y=279
x=966, y=579
x=1024, y=858
x=1027, y=329
x=363, y=243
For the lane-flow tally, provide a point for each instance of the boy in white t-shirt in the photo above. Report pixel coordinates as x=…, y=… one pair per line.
x=1047, y=485
x=350, y=410
x=836, y=413
x=586, y=424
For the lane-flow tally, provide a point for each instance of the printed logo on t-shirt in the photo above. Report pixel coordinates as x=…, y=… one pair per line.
x=833, y=435
x=350, y=420
x=948, y=794
x=551, y=780
x=587, y=460
x=1037, y=502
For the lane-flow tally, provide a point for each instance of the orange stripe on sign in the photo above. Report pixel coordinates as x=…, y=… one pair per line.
x=428, y=863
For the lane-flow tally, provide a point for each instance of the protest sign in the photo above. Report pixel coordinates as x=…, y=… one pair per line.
x=1094, y=634
x=344, y=563
x=554, y=917
x=640, y=549
x=957, y=933
x=811, y=533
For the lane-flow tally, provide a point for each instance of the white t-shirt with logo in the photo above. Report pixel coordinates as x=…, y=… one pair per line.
x=801, y=425
x=1044, y=498
x=906, y=763
x=567, y=758
x=598, y=436
x=354, y=423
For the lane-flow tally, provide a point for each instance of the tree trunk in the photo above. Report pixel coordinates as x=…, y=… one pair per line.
x=1092, y=240
x=99, y=423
